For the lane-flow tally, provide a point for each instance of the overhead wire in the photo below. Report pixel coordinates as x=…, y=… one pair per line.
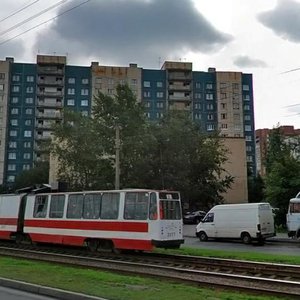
x=18, y=11
x=32, y=17
x=40, y=24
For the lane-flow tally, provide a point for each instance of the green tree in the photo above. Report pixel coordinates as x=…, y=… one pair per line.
x=256, y=188
x=82, y=160
x=283, y=173
x=37, y=175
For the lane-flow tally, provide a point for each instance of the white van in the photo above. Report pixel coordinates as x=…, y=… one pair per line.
x=249, y=221
x=293, y=217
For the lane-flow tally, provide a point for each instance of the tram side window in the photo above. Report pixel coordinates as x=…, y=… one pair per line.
x=295, y=208
x=75, y=206
x=153, y=207
x=170, y=210
x=136, y=206
x=91, y=206
x=40, y=206
x=110, y=206
x=57, y=205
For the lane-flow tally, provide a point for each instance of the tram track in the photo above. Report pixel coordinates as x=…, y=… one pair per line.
x=251, y=277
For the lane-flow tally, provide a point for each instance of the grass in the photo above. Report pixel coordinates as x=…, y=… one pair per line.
x=116, y=286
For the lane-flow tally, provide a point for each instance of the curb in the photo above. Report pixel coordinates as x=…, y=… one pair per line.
x=45, y=291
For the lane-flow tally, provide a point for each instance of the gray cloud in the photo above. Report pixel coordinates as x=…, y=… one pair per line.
x=132, y=31
x=283, y=20
x=246, y=61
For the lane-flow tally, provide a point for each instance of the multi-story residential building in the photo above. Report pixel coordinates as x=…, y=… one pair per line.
x=262, y=140
x=33, y=95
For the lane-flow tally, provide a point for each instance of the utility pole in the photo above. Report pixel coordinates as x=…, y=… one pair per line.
x=117, y=161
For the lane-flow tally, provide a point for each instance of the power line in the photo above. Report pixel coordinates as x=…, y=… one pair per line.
x=19, y=10
x=292, y=70
x=33, y=17
x=49, y=20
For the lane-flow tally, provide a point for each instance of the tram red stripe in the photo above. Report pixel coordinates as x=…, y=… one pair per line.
x=8, y=221
x=5, y=234
x=89, y=225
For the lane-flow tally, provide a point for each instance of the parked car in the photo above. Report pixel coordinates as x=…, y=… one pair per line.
x=193, y=217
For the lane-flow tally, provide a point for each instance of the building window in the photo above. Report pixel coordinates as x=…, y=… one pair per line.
x=84, y=113
x=71, y=102
x=159, y=84
x=27, y=144
x=84, y=92
x=110, y=91
x=197, y=116
x=15, y=100
x=16, y=89
x=197, y=96
x=159, y=95
x=147, y=115
x=246, y=107
x=28, y=122
x=249, y=158
x=236, y=106
x=16, y=78
x=30, y=78
x=224, y=126
x=248, y=148
x=245, y=87
x=147, y=94
x=12, y=145
x=2, y=76
x=133, y=81
x=147, y=84
x=209, y=96
x=248, y=138
x=14, y=111
x=13, y=133
x=71, y=91
x=246, y=97
x=1, y=87
x=14, y=122
x=71, y=80
x=27, y=133
x=209, y=86
x=209, y=106
x=247, y=127
x=159, y=104
x=210, y=127
x=12, y=155
x=26, y=167
x=210, y=117
x=29, y=89
x=148, y=104
x=29, y=100
x=198, y=85
x=247, y=118
x=223, y=105
x=28, y=111
x=159, y=115
x=223, y=116
x=11, y=167
x=84, y=103
x=26, y=155
x=11, y=178
x=84, y=81
x=197, y=106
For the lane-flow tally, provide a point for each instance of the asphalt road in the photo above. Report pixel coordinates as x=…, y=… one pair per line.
x=280, y=244
x=14, y=294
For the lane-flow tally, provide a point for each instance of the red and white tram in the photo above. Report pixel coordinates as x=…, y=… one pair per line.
x=133, y=219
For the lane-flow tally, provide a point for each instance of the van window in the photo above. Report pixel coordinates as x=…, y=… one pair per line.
x=209, y=218
x=294, y=207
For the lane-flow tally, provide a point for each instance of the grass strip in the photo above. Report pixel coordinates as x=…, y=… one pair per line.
x=109, y=285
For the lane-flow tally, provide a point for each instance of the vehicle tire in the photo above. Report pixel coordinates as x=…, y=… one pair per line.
x=203, y=236
x=246, y=238
x=93, y=245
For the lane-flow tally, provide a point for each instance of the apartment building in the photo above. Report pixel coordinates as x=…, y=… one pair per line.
x=33, y=96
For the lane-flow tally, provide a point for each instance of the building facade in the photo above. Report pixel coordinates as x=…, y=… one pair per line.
x=33, y=96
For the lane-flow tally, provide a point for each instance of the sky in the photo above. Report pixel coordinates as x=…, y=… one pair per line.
x=257, y=37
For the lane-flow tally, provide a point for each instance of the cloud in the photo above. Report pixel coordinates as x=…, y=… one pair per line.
x=132, y=31
x=246, y=61
x=283, y=20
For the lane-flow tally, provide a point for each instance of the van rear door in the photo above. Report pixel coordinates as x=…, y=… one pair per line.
x=266, y=219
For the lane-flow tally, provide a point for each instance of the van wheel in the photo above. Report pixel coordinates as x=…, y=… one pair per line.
x=246, y=238
x=203, y=236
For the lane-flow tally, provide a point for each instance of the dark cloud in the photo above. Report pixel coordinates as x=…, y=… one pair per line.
x=132, y=30
x=283, y=20
x=246, y=61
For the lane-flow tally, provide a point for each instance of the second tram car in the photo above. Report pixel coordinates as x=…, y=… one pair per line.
x=132, y=219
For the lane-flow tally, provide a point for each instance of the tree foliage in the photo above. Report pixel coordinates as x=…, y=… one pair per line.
x=283, y=173
x=170, y=154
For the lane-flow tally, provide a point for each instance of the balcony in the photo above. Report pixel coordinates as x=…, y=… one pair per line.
x=183, y=76
x=179, y=98
x=50, y=70
x=50, y=81
x=50, y=94
x=49, y=115
x=49, y=104
x=179, y=87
